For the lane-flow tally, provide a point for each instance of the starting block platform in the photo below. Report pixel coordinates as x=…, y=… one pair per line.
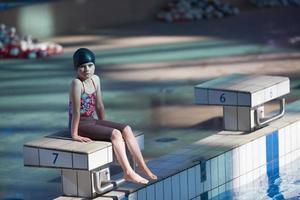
x=243, y=97
x=84, y=165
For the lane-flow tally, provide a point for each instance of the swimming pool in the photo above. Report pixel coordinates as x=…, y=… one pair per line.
x=277, y=183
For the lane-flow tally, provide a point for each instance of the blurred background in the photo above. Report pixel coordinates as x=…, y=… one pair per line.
x=149, y=55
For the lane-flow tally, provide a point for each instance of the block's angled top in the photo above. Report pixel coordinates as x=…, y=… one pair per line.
x=60, y=151
x=61, y=142
x=242, y=90
x=242, y=82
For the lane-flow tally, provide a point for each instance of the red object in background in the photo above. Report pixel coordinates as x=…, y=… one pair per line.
x=15, y=51
x=13, y=46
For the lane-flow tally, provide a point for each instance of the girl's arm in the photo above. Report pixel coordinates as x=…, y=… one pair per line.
x=75, y=94
x=99, y=102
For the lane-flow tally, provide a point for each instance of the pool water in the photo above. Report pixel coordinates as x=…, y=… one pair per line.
x=277, y=184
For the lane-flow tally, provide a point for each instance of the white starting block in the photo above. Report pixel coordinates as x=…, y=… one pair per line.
x=243, y=97
x=84, y=166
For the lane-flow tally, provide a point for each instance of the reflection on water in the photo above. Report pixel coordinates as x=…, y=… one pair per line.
x=278, y=184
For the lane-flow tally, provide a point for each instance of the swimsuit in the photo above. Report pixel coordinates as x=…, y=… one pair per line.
x=87, y=103
x=88, y=126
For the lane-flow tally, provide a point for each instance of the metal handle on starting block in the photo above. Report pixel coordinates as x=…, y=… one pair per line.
x=263, y=121
x=107, y=185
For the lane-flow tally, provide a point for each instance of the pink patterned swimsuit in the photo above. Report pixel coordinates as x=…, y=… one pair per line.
x=90, y=127
x=87, y=104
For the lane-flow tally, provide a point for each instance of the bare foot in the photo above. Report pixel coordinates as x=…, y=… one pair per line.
x=135, y=178
x=147, y=171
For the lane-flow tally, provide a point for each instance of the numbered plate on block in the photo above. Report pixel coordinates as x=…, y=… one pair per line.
x=241, y=90
x=61, y=153
x=219, y=97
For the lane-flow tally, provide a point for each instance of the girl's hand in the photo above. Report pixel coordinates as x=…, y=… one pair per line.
x=81, y=139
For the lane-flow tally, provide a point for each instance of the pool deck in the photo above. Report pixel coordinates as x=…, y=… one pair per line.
x=148, y=71
x=213, y=146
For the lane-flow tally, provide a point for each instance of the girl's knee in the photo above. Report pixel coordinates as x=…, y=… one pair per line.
x=127, y=132
x=127, y=129
x=116, y=135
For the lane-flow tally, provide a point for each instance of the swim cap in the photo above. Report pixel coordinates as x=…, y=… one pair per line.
x=82, y=56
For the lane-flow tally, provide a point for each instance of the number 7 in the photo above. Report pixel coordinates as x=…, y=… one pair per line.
x=55, y=157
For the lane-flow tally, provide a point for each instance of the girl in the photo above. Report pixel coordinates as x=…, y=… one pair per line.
x=85, y=101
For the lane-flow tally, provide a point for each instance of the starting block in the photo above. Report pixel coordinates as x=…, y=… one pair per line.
x=243, y=97
x=84, y=166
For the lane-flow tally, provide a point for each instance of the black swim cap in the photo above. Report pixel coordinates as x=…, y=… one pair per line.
x=82, y=56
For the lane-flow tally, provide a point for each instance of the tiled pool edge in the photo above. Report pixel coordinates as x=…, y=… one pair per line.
x=236, y=161
x=230, y=154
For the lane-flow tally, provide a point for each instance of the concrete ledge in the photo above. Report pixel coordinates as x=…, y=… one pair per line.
x=218, y=159
x=227, y=158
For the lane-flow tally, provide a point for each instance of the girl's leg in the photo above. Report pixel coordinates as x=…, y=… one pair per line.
x=120, y=152
x=136, y=152
x=98, y=132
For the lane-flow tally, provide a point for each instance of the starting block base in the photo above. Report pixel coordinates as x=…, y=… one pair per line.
x=84, y=166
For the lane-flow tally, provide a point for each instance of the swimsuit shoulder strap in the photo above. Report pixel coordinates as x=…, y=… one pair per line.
x=94, y=84
x=82, y=85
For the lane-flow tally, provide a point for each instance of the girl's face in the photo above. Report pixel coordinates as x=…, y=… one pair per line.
x=86, y=70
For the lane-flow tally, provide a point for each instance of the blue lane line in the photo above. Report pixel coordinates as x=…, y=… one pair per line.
x=272, y=154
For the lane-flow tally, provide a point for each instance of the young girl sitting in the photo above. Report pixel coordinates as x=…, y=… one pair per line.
x=85, y=101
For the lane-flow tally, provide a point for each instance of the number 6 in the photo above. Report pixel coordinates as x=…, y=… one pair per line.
x=222, y=98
